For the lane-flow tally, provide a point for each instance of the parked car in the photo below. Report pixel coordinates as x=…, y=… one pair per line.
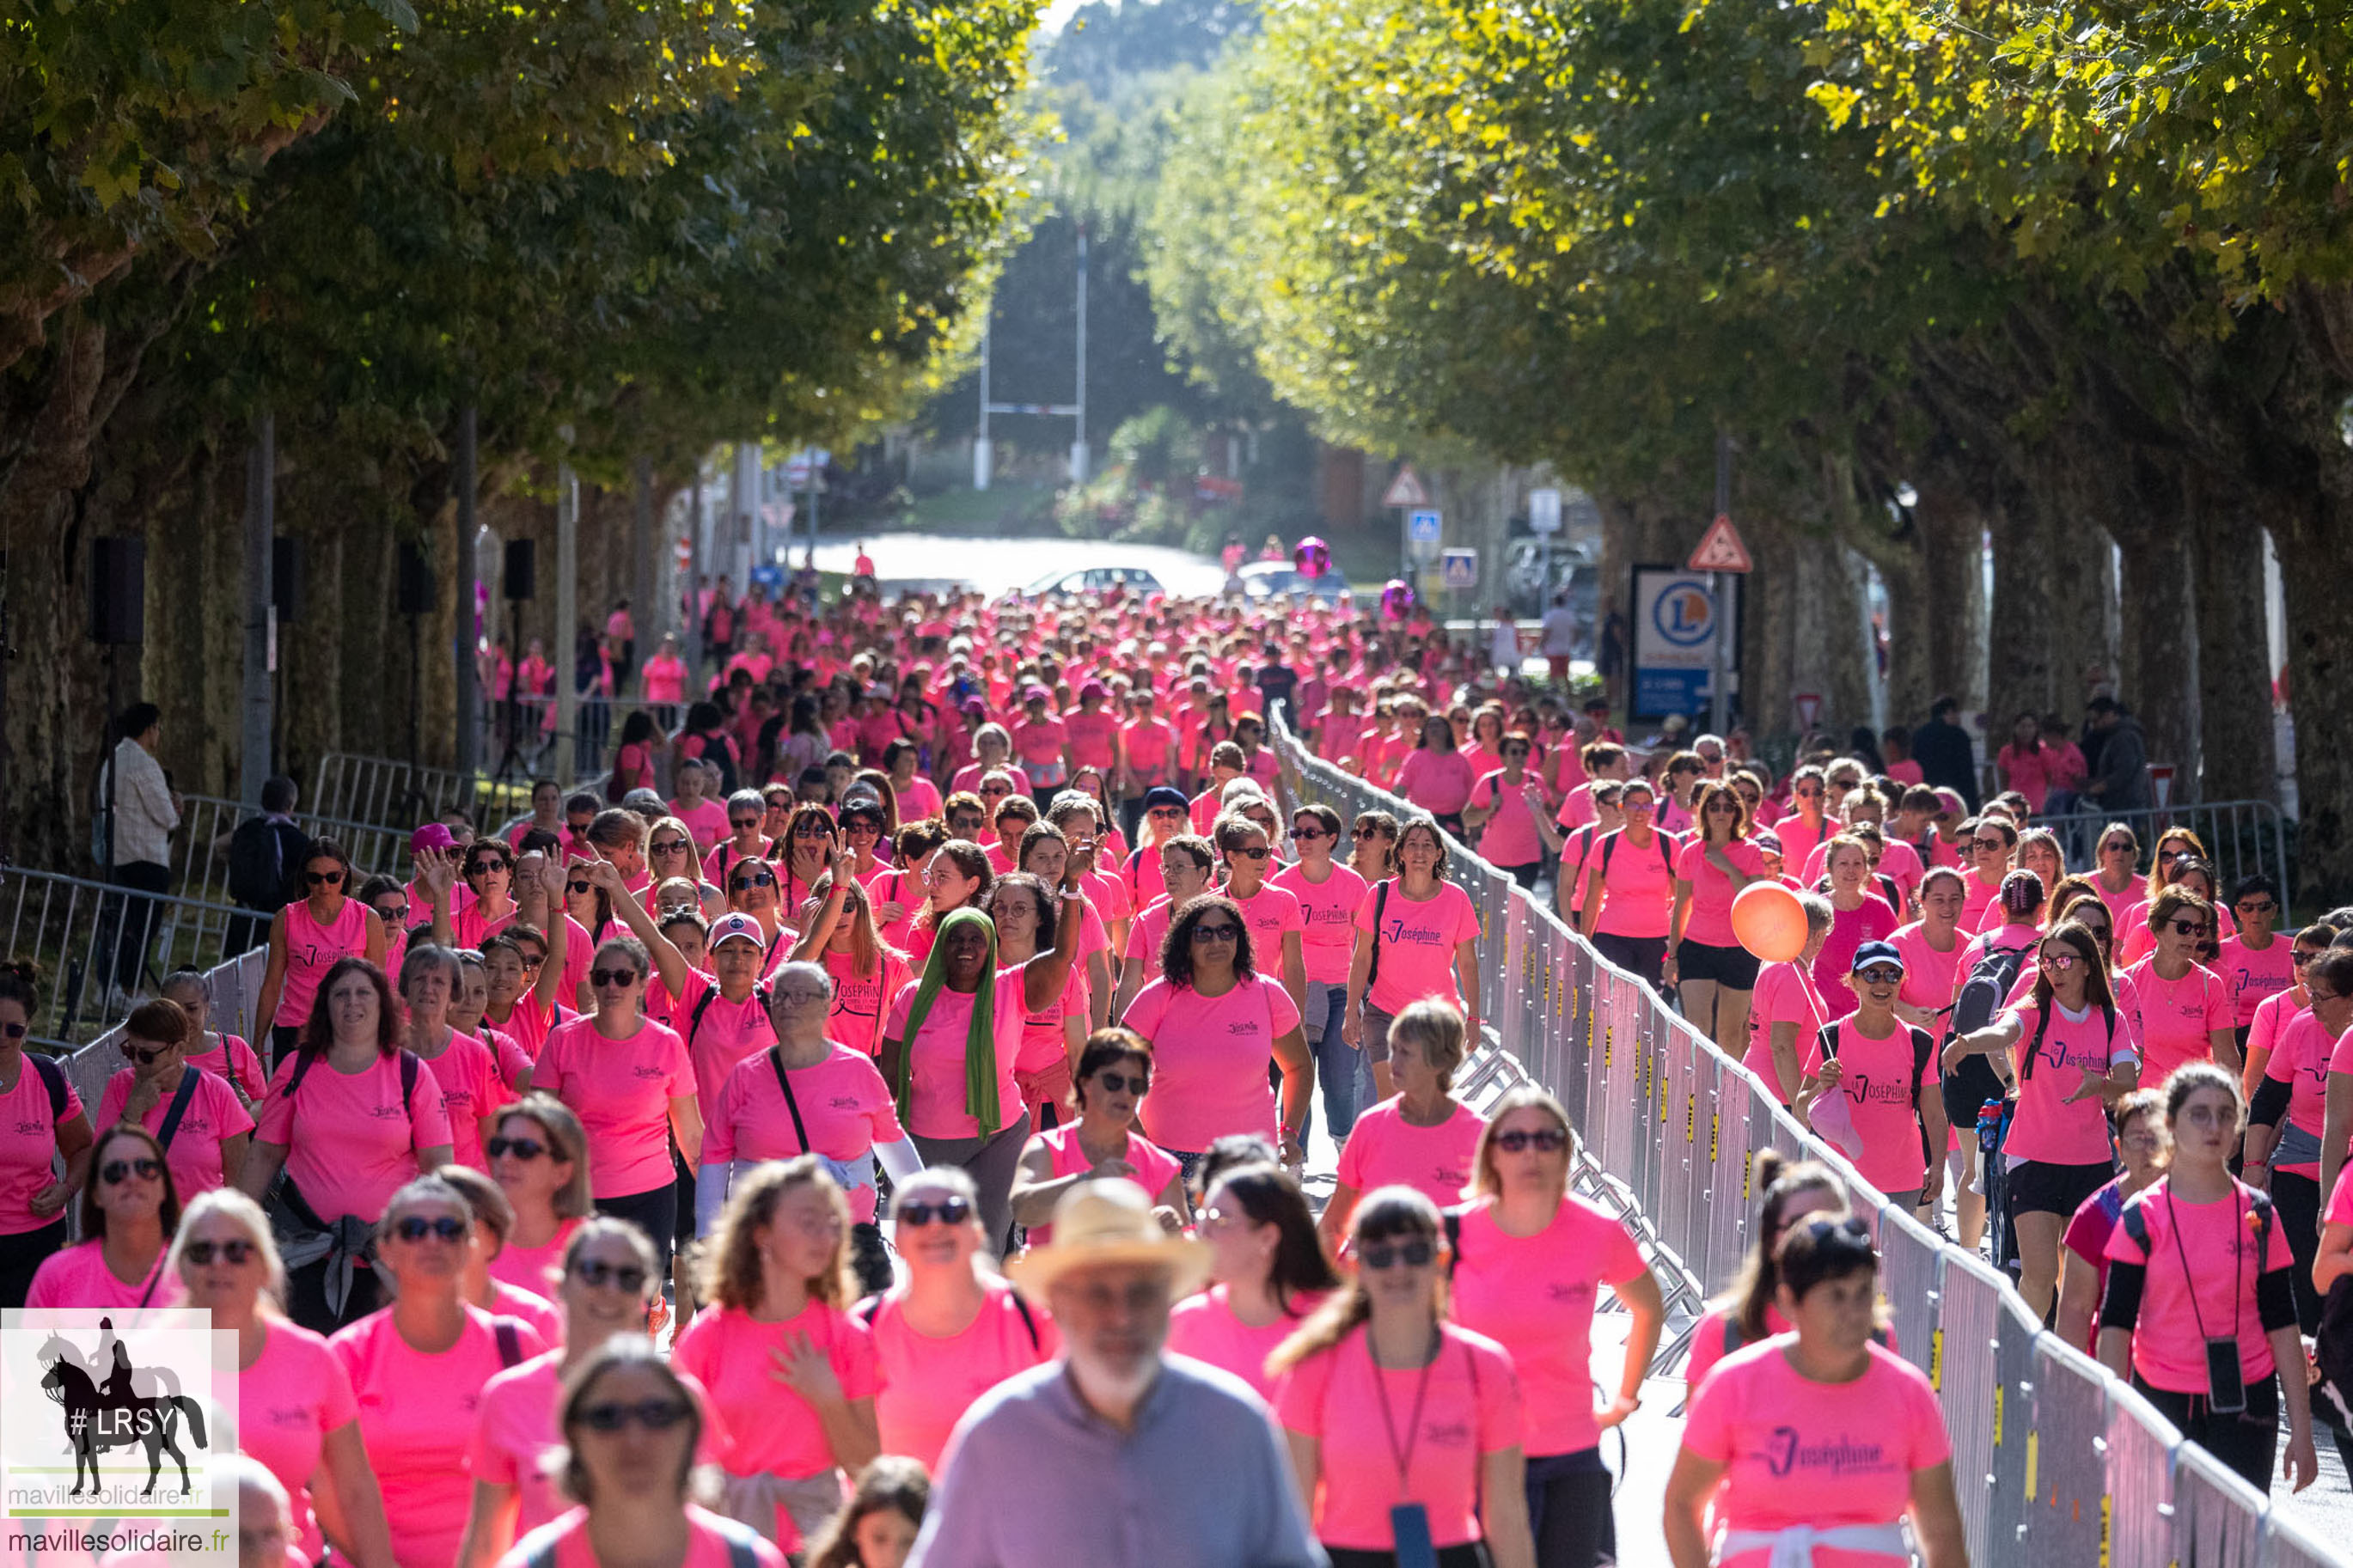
x=1135, y=580
x=1267, y=579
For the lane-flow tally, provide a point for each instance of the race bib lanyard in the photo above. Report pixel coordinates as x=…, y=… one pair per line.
x=1408, y=1521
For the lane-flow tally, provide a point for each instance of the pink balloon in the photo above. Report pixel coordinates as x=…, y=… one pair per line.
x=1314, y=557
x=1397, y=600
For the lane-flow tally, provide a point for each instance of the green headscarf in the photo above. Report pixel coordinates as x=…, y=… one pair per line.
x=980, y=1037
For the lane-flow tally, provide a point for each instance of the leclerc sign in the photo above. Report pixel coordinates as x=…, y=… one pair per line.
x=1674, y=639
x=114, y=1428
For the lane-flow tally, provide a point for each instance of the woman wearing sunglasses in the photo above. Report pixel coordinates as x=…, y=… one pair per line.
x=1114, y=1070
x=1329, y=895
x=803, y=853
x=1630, y=888
x=2180, y=862
x=2255, y=962
x=745, y=841
x=307, y=938
x=669, y=857
x=1417, y=936
x=1713, y=974
x=632, y=1084
x=417, y=1368
x=607, y=1281
x=1749, y=1312
x=204, y=1127
x=1529, y=1258
x=128, y=1211
x=1886, y=1071
x=1214, y=1023
x=632, y=1428
x=2065, y=1055
x=1437, y=778
x=1826, y=1389
x=791, y=1373
x=301, y=1419
x=489, y=872
x=2200, y=1313
x=953, y=1329
x=365, y=1119
x=538, y=1156
x=1366, y=1380
x=494, y=1219
x=2183, y=1008
x=216, y=1051
x=1507, y=810
x=1372, y=846
x=1991, y=841
x=2277, y=1010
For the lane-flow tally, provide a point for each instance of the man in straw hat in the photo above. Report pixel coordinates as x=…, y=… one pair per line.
x=1117, y=1455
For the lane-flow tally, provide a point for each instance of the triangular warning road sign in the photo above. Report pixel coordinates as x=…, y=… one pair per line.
x=1720, y=550
x=1406, y=490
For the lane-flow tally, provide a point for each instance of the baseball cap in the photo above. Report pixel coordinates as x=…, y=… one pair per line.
x=733, y=927
x=1033, y=692
x=1872, y=953
x=432, y=835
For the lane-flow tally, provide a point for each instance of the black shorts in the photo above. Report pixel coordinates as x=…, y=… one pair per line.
x=1734, y=966
x=2038, y=1186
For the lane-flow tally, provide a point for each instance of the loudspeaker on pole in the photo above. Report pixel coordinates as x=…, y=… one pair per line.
x=118, y=591
x=517, y=574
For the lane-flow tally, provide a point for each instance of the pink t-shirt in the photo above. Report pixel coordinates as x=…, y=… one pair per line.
x=214, y=1114
x=2219, y=1241
x=1798, y=1452
x=1850, y=929
x=1327, y=910
x=1508, y=837
x=1799, y=838
x=1155, y=1166
x=1042, y=1042
x=349, y=1147
x=1094, y=736
x=665, y=676
x=1709, y=921
x=727, y=1033
x=2272, y=1018
x=1417, y=939
x=473, y=1084
x=707, y=1544
x=2254, y=975
x=234, y=1060
x=1980, y=902
x=417, y=1414
x=1438, y=782
x=1638, y=883
x=2176, y=1017
x=1204, y=1327
x=859, y=1001
x=1209, y=1059
x=1930, y=978
x=294, y=1394
x=705, y=821
x=621, y=1091
x=1150, y=929
x=2044, y=1129
x=1470, y=1405
x=1385, y=1149
x=1534, y=1295
x=1785, y=993
x=1876, y=1079
x=311, y=950
x=843, y=1101
x=771, y=1430
x=514, y=1431
x=2302, y=1060
x=78, y=1277
x=536, y=1268
x=1272, y=913
x=928, y=1383
x=1709, y=1339
x=938, y=1106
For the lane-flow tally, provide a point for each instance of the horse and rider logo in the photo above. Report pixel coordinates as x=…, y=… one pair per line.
x=105, y=1402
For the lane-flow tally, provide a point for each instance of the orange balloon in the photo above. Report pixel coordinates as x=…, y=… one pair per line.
x=1769, y=921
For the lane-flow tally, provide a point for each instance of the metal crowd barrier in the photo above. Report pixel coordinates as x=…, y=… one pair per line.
x=2052, y=1454
x=200, y=853
x=385, y=793
x=98, y=946
x=2244, y=837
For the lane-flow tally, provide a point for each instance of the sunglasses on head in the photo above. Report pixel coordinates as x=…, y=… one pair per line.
x=148, y=1055
x=612, y=977
x=653, y=1415
x=756, y=879
x=521, y=1148
x=921, y=1212
x=117, y=1170
x=1414, y=1254
x=1137, y=1083
x=624, y=1276
x=417, y=1227
x=236, y=1251
x=1217, y=933
x=322, y=879
x=1543, y=1140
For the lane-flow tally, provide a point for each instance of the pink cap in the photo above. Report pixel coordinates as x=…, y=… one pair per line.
x=432, y=835
x=730, y=927
x=1950, y=800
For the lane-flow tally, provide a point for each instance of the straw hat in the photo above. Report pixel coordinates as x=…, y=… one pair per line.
x=1109, y=1222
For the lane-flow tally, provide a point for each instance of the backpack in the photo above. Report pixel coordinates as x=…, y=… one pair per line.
x=53, y=1079
x=1922, y=1049
x=2043, y=1027
x=411, y=1064
x=866, y=1312
x=1973, y=1081
x=1666, y=850
x=710, y=994
x=255, y=879
x=2259, y=1204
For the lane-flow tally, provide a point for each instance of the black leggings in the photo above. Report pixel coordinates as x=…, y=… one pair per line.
x=21, y=1257
x=655, y=1212
x=2246, y=1443
x=1570, y=1511
x=1470, y=1555
x=2297, y=1200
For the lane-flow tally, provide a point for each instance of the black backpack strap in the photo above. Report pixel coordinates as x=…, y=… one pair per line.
x=2034, y=1047
x=185, y=1092
x=701, y=1005
x=2136, y=1225
x=509, y=1340
x=784, y=1082
x=1732, y=1334
x=1380, y=908
x=1922, y=1049
x=1609, y=847
x=2260, y=1205
x=1029, y=1319
x=411, y=1064
x=53, y=1079
x=1452, y=1219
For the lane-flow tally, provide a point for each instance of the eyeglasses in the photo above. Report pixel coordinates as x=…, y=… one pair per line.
x=2301, y=958
x=1543, y=1140
x=415, y=1227
x=2116, y=847
x=2144, y=1141
x=600, y=1275
x=670, y=847
x=1261, y=853
x=322, y=879
x=917, y=1214
x=1412, y=1254
x=2257, y=906
x=964, y=826
x=148, y=1055
x=237, y=1252
x=602, y=977
x=1217, y=933
x=2062, y=961
x=117, y=1170
x=1365, y=832
x=1881, y=976
x=860, y=825
x=524, y=1149
x=653, y=1415
x=2187, y=928
x=578, y=824
x=756, y=879
x=1136, y=1084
